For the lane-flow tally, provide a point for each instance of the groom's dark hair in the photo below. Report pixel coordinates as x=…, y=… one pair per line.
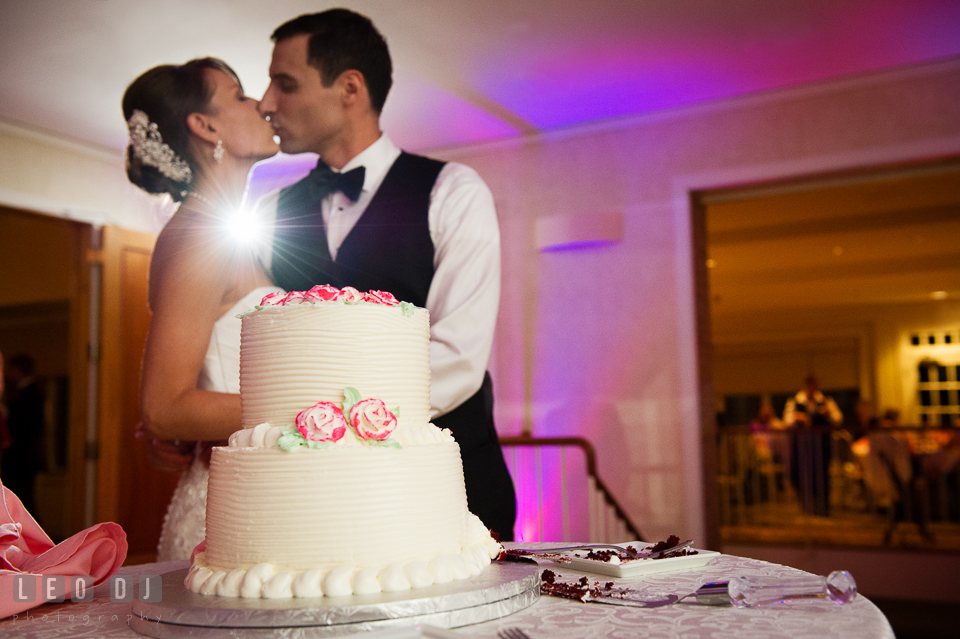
x=341, y=39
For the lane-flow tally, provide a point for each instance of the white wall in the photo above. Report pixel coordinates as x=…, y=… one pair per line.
x=607, y=335
x=42, y=173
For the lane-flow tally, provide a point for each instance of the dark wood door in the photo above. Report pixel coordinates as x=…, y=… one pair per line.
x=129, y=491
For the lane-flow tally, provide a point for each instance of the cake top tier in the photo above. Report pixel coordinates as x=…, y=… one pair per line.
x=336, y=367
x=324, y=293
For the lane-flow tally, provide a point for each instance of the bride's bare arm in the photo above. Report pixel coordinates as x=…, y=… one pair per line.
x=190, y=274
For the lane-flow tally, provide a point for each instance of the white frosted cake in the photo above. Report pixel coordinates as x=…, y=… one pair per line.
x=337, y=483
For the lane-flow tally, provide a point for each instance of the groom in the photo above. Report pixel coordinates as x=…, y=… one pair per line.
x=376, y=218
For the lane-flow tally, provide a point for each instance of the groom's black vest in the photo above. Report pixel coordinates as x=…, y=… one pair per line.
x=390, y=249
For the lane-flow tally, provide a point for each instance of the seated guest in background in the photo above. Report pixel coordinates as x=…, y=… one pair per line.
x=866, y=420
x=940, y=468
x=888, y=465
x=890, y=419
x=810, y=412
x=770, y=444
x=766, y=420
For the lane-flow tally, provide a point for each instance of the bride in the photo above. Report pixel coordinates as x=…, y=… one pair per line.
x=195, y=136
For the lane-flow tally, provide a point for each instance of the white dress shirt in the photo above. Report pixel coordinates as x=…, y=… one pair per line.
x=818, y=403
x=464, y=295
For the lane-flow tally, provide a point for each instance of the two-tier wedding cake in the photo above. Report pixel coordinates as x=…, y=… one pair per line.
x=337, y=482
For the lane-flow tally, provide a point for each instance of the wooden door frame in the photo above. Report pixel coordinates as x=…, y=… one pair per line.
x=110, y=422
x=82, y=359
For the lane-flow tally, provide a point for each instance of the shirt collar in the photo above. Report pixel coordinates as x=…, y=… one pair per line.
x=376, y=159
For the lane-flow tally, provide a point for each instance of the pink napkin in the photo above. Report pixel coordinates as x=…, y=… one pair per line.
x=97, y=551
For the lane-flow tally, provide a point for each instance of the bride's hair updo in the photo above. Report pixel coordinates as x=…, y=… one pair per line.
x=166, y=95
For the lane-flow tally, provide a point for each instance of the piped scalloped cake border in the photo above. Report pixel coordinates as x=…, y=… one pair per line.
x=266, y=581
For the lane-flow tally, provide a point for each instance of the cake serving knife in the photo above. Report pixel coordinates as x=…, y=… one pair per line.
x=629, y=551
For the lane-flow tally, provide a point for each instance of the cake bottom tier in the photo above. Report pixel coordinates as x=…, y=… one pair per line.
x=337, y=521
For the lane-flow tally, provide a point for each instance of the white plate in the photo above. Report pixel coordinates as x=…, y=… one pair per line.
x=639, y=567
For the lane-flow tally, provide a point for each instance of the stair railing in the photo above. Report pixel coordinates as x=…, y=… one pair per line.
x=608, y=522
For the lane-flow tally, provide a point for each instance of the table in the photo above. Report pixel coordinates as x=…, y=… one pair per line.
x=552, y=617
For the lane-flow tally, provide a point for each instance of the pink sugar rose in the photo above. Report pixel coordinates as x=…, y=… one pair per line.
x=293, y=297
x=323, y=293
x=273, y=299
x=350, y=295
x=371, y=419
x=381, y=297
x=322, y=422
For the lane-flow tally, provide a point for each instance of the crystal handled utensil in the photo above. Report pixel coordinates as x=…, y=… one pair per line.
x=839, y=586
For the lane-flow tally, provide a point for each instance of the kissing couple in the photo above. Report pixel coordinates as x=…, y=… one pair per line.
x=368, y=216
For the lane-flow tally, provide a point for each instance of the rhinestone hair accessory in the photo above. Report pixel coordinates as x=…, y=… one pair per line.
x=150, y=149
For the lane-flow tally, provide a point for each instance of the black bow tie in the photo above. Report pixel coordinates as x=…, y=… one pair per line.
x=323, y=180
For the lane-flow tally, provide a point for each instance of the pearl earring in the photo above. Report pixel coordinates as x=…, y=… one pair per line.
x=218, y=152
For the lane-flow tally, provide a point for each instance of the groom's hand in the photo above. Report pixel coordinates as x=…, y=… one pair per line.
x=171, y=456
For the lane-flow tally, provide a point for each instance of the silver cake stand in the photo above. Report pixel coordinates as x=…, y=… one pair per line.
x=501, y=589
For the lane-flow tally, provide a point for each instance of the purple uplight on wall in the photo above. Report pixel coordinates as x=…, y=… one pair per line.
x=578, y=245
x=542, y=514
x=571, y=232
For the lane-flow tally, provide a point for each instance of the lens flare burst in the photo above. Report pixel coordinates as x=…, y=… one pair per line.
x=243, y=226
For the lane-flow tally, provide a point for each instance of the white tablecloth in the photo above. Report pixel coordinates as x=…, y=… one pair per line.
x=555, y=618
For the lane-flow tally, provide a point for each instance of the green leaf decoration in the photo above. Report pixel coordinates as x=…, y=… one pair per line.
x=390, y=443
x=291, y=439
x=396, y=413
x=350, y=397
x=407, y=308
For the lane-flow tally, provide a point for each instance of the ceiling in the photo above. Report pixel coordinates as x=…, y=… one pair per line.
x=469, y=70
x=889, y=237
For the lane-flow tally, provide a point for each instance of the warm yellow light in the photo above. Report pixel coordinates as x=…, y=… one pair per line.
x=838, y=250
x=711, y=263
x=939, y=295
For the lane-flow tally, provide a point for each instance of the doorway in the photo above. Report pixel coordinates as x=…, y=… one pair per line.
x=60, y=278
x=837, y=276
x=44, y=308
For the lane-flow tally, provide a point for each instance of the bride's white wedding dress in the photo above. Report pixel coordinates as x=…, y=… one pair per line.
x=183, y=526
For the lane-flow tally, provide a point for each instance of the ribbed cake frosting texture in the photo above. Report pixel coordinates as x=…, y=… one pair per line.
x=292, y=357
x=352, y=516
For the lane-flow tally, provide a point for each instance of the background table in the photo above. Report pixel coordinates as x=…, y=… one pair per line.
x=556, y=618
